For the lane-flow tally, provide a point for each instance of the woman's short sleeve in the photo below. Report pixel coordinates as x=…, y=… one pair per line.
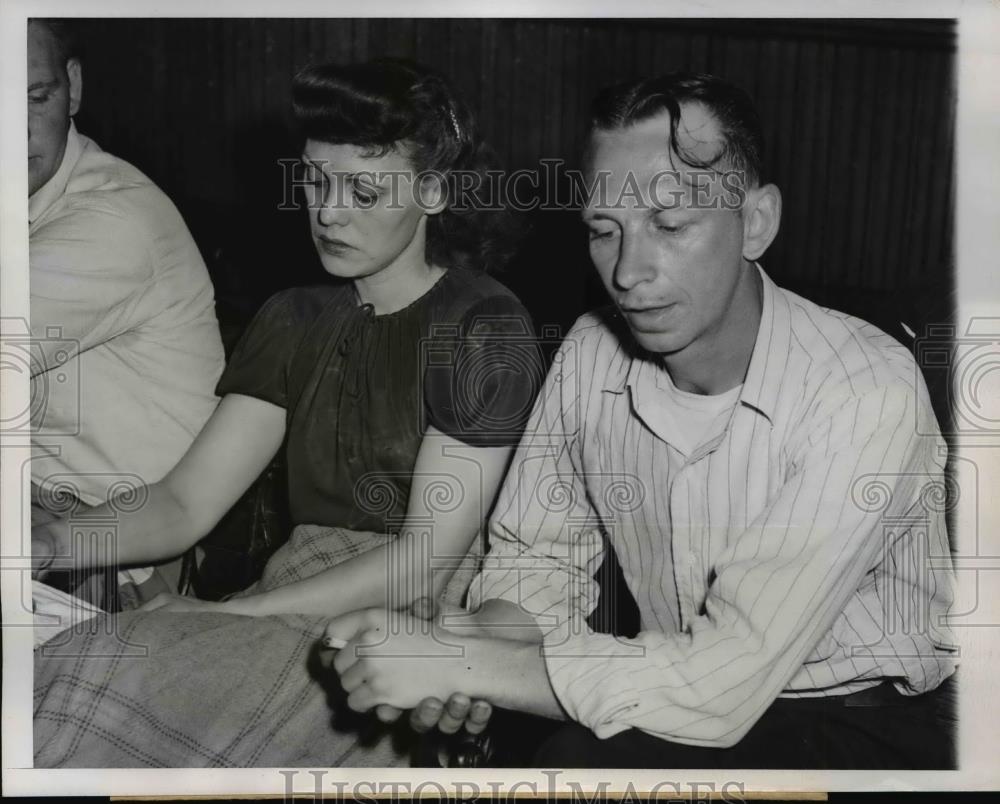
x=481, y=377
x=259, y=363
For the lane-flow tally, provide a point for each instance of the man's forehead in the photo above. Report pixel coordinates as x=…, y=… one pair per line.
x=645, y=146
x=43, y=53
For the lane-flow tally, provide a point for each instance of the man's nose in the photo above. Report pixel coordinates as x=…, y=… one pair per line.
x=636, y=262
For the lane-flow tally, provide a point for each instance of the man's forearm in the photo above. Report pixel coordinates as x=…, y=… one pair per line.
x=511, y=675
x=496, y=619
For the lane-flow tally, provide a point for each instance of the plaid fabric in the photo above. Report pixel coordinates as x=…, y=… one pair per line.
x=153, y=689
x=310, y=550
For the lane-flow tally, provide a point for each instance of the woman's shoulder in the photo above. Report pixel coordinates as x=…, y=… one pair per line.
x=309, y=300
x=472, y=293
x=302, y=306
x=477, y=285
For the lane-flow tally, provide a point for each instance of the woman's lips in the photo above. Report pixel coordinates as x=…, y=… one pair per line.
x=333, y=246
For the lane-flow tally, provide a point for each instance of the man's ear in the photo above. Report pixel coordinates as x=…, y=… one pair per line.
x=761, y=219
x=75, y=72
x=433, y=192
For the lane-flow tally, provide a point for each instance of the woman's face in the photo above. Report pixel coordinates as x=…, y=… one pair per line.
x=366, y=213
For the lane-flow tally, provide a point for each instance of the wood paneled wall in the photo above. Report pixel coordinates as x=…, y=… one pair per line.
x=859, y=116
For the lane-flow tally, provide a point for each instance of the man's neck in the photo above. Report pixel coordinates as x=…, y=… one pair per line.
x=718, y=362
x=46, y=195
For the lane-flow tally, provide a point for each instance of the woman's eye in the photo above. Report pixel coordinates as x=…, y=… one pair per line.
x=38, y=98
x=602, y=234
x=307, y=176
x=364, y=196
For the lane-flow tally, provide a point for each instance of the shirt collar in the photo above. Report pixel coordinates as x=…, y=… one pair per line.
x=50, y=192
x=762, y=383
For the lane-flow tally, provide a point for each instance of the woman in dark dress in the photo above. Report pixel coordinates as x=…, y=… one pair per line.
x=398, y=396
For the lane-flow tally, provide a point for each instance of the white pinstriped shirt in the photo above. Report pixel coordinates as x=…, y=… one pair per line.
x=800, y=549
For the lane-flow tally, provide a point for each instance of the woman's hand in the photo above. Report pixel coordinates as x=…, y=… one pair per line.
x=167, y=601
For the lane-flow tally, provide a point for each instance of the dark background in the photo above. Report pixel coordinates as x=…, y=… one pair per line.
x=858, y=118
x=858, y=115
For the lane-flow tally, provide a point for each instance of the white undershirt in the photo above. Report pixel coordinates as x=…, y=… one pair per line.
x=680, y=418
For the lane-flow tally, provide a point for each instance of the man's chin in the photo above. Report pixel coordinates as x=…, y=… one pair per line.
x=659, y=342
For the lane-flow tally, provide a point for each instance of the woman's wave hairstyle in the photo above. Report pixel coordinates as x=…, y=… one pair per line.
x=393, y=104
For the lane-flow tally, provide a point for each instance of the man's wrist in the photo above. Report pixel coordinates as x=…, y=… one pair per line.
x=502, y=619
x=511, y=674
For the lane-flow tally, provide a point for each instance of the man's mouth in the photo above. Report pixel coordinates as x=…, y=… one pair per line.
x=647, y=317
x=644, y=309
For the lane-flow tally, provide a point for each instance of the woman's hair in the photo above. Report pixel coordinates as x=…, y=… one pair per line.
x=393, y=104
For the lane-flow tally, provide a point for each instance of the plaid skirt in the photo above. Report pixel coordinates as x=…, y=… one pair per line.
x=210, y=690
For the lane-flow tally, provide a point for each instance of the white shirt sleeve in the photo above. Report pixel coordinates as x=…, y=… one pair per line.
x=88, y=269
x=777, y=589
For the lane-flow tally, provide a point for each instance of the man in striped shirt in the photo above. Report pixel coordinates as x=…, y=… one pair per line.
x=768, y=472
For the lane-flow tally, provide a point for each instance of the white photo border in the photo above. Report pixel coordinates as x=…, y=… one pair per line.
x=977, y=237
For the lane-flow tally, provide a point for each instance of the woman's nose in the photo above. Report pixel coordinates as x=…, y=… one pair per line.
x=332, y=210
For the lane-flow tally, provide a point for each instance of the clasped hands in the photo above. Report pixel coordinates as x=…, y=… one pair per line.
x=373, y=652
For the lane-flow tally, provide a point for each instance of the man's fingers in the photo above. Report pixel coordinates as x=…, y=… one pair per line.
x=361, y=699
x=325, y=656
x=426, y=715
x=454, y=713
x=346, y=659
x=387, y=714
x=479, y=716
x=340, y=630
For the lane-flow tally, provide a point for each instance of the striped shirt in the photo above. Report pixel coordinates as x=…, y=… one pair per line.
x=800, y=548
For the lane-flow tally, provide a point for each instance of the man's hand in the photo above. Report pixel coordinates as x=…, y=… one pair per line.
x=451, y=716
x=431, y=711
x=387, y=663
x=43, y=551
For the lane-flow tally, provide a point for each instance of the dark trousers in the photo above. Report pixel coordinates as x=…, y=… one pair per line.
x=873, y=730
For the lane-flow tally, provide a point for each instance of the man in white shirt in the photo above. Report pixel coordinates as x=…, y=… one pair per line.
x=757, y=465
x=126, y=345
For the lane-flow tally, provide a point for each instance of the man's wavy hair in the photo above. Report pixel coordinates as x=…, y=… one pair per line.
x=633, y=102
x=394, y=104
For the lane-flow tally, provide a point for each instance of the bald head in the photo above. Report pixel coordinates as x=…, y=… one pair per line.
x=55, y=87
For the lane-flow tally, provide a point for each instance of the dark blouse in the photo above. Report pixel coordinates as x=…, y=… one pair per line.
x=361, y=389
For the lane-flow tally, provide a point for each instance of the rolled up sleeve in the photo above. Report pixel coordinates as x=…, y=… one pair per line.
x=545, y=537
x=778, y=588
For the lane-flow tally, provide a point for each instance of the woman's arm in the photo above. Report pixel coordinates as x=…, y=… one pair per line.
x=453, y=488
x=233, y=448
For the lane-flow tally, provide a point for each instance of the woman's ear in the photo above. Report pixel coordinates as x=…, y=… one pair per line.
x=761, y=220
x=433, y=192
